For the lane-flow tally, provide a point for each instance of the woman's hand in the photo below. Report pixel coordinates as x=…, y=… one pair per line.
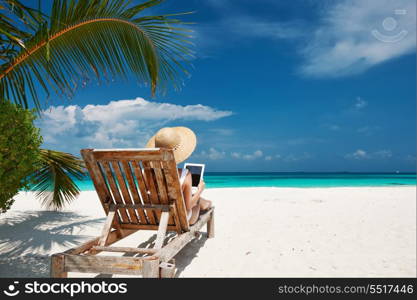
x=196, y=196
x=201, y=185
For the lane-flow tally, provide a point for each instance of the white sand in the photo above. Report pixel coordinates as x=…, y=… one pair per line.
x=260, y=232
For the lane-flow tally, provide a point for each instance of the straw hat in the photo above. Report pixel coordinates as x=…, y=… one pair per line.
x=181, y=140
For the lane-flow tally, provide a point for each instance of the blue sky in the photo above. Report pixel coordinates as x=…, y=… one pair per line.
x=275, y=86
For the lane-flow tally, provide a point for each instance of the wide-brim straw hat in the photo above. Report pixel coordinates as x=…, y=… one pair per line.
x=181, y=140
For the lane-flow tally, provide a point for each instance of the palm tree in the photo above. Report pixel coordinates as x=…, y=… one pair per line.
x=81, y=40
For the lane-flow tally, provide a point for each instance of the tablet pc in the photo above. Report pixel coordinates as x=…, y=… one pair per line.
x=197, y=172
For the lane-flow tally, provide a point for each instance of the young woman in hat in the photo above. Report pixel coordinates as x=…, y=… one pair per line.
x=183, y=141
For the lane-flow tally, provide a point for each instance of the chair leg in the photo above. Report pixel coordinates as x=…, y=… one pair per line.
x=151, y=268
x=57, y=266
x=107, y=227
x=210, y=226
x=167, y=269
x=162, y=230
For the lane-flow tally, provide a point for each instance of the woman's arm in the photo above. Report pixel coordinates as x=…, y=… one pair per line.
x=197, y=195
x=190, y=199
x=187, y=192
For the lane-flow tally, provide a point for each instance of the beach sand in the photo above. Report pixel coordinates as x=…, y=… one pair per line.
x=260, y=232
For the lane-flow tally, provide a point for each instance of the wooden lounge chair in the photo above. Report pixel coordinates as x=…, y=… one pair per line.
x=139, y=189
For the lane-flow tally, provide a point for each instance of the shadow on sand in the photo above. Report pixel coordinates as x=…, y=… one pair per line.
x=182, y=259
x=27, y=239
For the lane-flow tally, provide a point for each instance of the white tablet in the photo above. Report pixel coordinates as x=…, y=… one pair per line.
x=197, y=172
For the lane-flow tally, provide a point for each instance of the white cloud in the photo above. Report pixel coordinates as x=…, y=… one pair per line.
x=123, y=123
x=259, y=154
x=222, y=131
x=358, y=154
x=299, y=157
x=411, y=158
x=146, y=110
x=368, y=130
x=249, y=26
x=235, y=155
x=333, y=127
x=350, y=36
x=360, y=103
x=245, y=25
x=256, y=154
x=362, y=154
x=272, y=157
x=212, y=154
x=383, y=154
x=237, y=25
x=344, y=43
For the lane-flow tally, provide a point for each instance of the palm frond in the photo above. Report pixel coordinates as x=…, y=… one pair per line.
x=53, y=181
x=16, y=22
x=101, y=39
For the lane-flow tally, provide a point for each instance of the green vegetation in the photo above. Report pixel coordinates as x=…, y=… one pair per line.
x=80, y=40
x=51, y=181
x=19, y=150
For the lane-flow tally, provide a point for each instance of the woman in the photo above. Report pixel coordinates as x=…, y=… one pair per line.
x=183, y=141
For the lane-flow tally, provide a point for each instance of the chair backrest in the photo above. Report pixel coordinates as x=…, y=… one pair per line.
x=141, y=183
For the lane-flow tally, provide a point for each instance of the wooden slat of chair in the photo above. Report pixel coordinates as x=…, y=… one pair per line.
x=151, y=183
x=146, y=227
x=177, y=222
x=115, y=191
x=100, y=184
x=125, y=249
x=125, y=192
x=143, y=206
x=161, y=186
x=143, y=190
x=97, y=178
x=134, y=191
x=137, y=154
x=104, y=264
x=174, y=191
x=112, y=238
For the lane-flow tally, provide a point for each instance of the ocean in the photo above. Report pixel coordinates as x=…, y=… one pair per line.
x=303, y=180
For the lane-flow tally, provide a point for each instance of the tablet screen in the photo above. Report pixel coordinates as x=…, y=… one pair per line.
x=195, y=173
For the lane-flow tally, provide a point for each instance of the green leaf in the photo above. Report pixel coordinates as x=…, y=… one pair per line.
x=53, y=181
x=93, y=39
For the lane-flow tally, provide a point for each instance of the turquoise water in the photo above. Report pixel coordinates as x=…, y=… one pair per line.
x=222, y=180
